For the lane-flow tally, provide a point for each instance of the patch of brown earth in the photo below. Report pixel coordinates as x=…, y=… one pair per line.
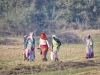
x=53, y=66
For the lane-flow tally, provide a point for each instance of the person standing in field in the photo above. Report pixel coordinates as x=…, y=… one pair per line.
x=30, y=47
x=55, y=47
x=24, y=50
x=43, y=45
x=89, y=47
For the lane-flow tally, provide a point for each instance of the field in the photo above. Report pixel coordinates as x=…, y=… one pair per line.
x=72, y=59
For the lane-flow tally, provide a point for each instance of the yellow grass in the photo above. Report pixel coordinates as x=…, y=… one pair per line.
x=11, y=55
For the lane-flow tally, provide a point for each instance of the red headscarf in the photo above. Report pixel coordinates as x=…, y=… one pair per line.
x=43, y=36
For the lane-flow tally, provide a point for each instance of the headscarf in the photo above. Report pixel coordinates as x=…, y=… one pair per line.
x=25, y=37
x=31, y=35
x=43, y=36
x=54, y=36
x=89, y=36
x=55, y=41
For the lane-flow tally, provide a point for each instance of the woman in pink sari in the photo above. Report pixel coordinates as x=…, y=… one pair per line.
x=30, y=47
x=89, y=47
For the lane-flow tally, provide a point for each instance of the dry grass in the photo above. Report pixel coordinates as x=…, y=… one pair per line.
x=70, y=56
x=86, y=32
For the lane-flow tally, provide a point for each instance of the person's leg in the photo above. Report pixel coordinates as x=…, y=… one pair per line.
x=24, y=55
x=56, y=56
x=27, y=54
x=92, y=52
x=87, y=52
x=87, y=55
x=31, y=57
x=45, y=55
x=42, y=56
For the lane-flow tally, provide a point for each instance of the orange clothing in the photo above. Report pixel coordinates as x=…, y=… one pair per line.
x=43, y=44
x=43, y=36
x=44, y=48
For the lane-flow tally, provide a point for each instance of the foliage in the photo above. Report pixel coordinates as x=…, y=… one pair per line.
x=22, y=16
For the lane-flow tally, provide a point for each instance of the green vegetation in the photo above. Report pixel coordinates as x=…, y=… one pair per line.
x=18, y=17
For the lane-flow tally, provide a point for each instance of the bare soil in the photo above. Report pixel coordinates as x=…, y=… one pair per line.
x=52, y=66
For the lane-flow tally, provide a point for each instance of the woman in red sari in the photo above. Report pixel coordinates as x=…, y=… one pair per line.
x=44, y=45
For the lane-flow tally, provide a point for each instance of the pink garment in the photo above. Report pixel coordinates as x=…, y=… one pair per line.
x=30, y=53
x=89, y=49
x=30, y=44
x=55, y=54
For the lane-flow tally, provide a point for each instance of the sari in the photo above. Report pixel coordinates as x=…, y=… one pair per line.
x=89, y=48
x=43, y=44
x=30, y=46
x=55, y=47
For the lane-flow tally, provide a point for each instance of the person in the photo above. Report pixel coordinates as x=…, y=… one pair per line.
x=89, y=47
x=43, y=45
x=30, y=47
x=24, y=51
x=55, y=47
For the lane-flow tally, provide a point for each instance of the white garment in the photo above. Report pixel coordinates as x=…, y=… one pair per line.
x=31, y=36
x=43, y=42
x=51, y=55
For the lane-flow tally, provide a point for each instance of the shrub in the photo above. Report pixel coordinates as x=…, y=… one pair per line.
x=68, y=37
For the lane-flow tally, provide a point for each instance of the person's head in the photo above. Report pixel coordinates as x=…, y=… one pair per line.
x=89, y=36
x=43, y=36
x=54, y=36
x=31, y=34
x=25, y=36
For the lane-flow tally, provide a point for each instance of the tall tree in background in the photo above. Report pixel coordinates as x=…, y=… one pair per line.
x=26, y=15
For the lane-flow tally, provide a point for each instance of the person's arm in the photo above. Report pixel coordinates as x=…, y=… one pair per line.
x=85, y=38
x=52, y=46
x=26, y=42
x=47, y=43
x=39, y=43
x=33, y=44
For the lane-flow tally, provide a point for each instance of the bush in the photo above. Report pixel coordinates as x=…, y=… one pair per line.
x=68, y=37
x=6, y=41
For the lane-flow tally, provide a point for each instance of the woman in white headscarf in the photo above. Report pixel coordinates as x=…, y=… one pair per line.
x=55, y=47
x=30, y=47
